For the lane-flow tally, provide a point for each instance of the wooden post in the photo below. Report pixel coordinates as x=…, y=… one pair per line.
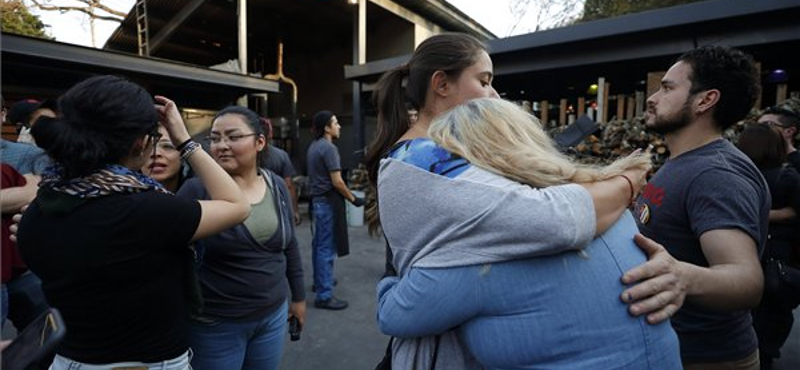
x=757, y=106
x=653, y=82
x=640, y=103
x=780, y=93
x=581, y=106
x=544, y=109
x=562, y=112
x=620, y=107
x=629, y=115
x=602, y=102
x=604, y=111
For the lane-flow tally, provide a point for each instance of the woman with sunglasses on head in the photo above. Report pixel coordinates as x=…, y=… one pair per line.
x=110, y=244
x=445, y=71
x=250, y=274
x=164, y=163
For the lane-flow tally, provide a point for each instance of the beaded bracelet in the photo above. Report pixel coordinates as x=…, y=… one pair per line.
x=183, y=144
x=630, y=186
x=189, y=149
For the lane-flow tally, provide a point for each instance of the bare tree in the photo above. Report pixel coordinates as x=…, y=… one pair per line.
x=537, y=15
x=94, y=9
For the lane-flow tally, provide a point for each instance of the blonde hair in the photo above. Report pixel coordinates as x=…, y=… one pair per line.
x=500, y=137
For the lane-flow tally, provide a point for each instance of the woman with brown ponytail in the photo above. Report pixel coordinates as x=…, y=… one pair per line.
x=444, y=72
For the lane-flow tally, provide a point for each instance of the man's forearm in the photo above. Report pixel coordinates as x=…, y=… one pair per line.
x=341, y=187
x=724, y=287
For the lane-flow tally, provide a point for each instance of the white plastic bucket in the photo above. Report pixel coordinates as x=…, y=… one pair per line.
x=355, y=215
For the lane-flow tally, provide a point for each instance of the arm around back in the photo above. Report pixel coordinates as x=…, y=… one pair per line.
x=611, y=197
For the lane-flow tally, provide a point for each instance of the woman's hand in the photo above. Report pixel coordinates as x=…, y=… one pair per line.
x=298, y=310
x=13, y=228
x=171, y=119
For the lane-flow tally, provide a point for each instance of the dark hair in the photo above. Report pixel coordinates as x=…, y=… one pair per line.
x=785, y=116
x=252, y=119
x=321, y=120
x=100, y=120
x=730, y=71
x=764, y=145
x=451, y=53
x=45, y=132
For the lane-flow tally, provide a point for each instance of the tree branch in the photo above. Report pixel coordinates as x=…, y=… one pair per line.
x=86, y=10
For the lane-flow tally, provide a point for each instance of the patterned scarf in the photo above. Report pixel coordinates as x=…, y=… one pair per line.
x=113, y=179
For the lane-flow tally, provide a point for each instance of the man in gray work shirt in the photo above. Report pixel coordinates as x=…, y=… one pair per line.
x=328, y=191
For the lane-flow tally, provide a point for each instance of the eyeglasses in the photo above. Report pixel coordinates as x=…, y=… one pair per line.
x=166, y=147
x=774, y=124
x=232, y=139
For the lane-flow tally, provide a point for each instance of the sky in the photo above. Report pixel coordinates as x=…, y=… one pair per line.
x=73, y=27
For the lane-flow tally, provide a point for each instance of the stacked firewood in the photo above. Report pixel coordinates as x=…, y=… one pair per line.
x=621, y=137
x=358, y=178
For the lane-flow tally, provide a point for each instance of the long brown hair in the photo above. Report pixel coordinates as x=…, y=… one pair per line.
x=450, y=53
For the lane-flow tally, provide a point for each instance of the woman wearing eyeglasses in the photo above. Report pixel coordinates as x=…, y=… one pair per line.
x=110, y=244
x=244, y=270
x=164, y=163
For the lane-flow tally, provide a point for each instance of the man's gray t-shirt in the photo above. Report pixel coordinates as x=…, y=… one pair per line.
x=322, y=159
x=713, y=187
x=277, y=160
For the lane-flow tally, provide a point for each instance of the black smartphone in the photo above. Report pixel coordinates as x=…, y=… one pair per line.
x=36, y=341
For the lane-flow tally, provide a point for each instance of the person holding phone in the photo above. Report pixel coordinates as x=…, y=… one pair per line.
x=251, y=274
x=36, y=342
x=110, y=244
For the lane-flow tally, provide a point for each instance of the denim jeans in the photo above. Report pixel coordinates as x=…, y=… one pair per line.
x=178, y=363
x=248, y=345
x=323, y=249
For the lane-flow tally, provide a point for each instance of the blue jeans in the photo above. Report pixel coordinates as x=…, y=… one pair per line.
x=179, y=363
x=323, y=249
x=248, y=345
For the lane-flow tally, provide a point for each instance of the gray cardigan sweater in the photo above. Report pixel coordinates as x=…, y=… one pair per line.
x=475, y=218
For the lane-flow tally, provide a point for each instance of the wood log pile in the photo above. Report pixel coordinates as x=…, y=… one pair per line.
x=621, y=137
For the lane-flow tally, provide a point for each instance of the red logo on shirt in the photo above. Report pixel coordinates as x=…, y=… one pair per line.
x=654, y=194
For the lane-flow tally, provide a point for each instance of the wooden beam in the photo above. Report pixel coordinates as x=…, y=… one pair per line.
x=602, y=100
x=604, y=112
x=654, y=82
x=581, y=107
x=640, y=102
x=169, y=28
x=631, y=103
x=562, y=112
x=760, y=91
x=545, y=109
x=620, y=107
x=780, y=93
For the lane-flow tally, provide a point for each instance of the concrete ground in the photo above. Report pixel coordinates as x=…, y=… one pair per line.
x=349, y=339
